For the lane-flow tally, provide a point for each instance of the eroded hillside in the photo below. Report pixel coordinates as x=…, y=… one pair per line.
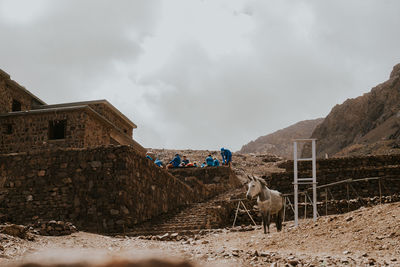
x=279, y=142
x=369, y=124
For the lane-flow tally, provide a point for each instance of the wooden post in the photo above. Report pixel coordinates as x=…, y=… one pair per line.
x=305, y=205
x=326, y=201
x=284, y=210
x=380, y=192
x=248, y=213
x=348, y=197
x=237, y=210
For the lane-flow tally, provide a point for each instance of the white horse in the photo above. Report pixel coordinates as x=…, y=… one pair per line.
x=270, y=202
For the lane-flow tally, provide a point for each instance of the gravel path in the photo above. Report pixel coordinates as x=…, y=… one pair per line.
x=365, y=237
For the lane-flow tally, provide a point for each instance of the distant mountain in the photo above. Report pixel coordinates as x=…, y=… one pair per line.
x=279, y=142
x=369, y=124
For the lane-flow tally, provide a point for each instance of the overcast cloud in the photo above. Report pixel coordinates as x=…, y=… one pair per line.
x=201, y=74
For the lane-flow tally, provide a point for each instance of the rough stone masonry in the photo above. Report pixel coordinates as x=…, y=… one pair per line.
x=104, y=189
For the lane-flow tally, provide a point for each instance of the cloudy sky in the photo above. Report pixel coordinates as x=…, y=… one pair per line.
x=201, y=74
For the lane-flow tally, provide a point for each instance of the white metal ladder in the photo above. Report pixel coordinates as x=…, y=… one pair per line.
x=312, y=180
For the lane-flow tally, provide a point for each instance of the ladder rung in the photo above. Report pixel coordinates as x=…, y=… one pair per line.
x=305, y=179
x=305, y=159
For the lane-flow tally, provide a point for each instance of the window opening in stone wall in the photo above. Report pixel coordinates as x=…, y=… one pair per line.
x=57, y=129
x=16, y=105
x=7, y=128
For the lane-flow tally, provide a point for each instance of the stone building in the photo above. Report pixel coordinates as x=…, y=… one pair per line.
x=29, y=124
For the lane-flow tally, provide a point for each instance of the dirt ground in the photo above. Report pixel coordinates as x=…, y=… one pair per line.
x=365, y=237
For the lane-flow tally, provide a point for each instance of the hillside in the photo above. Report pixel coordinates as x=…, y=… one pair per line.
x=369, y=124
x=279, y=142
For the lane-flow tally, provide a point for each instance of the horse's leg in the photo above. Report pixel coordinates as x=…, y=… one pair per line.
x=279, y=219
x=268, y=219
x=264, y=221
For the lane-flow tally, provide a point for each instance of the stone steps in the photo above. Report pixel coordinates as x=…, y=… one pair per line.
x=189, y=221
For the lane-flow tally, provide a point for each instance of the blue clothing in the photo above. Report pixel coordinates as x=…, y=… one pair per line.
x=185, y=161
x=147, y=156
x=216, y=163
x=176, y=161
x=158, y=163
x=209, y=161
x=226, y=156
x=203, y=165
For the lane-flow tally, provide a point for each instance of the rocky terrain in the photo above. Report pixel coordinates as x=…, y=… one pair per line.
x=280, y=142
x=242, y=163
x=366, y=125
x=365, y=237
x=369, y=124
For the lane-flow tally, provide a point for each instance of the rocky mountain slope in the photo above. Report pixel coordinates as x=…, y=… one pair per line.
x=369, y=124
x=279, y=142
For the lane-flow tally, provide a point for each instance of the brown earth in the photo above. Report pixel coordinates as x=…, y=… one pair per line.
x=280, y=142
x=365, y=237
x=368, y=124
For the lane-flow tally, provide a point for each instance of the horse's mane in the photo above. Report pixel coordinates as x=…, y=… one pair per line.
x=260, y=180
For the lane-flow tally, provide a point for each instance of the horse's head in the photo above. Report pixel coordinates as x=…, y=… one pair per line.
x=254, y=187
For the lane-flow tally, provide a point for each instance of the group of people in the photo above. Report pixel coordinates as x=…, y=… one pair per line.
x=210, y=161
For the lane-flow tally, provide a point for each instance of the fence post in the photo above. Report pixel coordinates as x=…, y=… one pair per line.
x=326, y=201
x=296, y=186
x=380, y=191
x=348, y=197
x=314, y=176
x=305, y=206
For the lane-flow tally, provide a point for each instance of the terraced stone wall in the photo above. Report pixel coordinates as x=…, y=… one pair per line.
x=210, y=181
x=105, y=189
x=386, y=167
x=346, y=163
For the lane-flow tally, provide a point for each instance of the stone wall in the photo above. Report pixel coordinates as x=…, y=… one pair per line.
x=31, y=130
x=110, y=115
x=106, y=189
x=212, y=180
x=367, y=178
x=387, y=167
x=346, y=163
x=96, y=133
x=9, y=91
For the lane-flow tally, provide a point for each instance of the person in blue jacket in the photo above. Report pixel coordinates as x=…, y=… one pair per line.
x=158, y=163
x=175, y=162
x=216, y=162
x=148, y=156
x=226, y=156
x=209, y=161
x=185, y=161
